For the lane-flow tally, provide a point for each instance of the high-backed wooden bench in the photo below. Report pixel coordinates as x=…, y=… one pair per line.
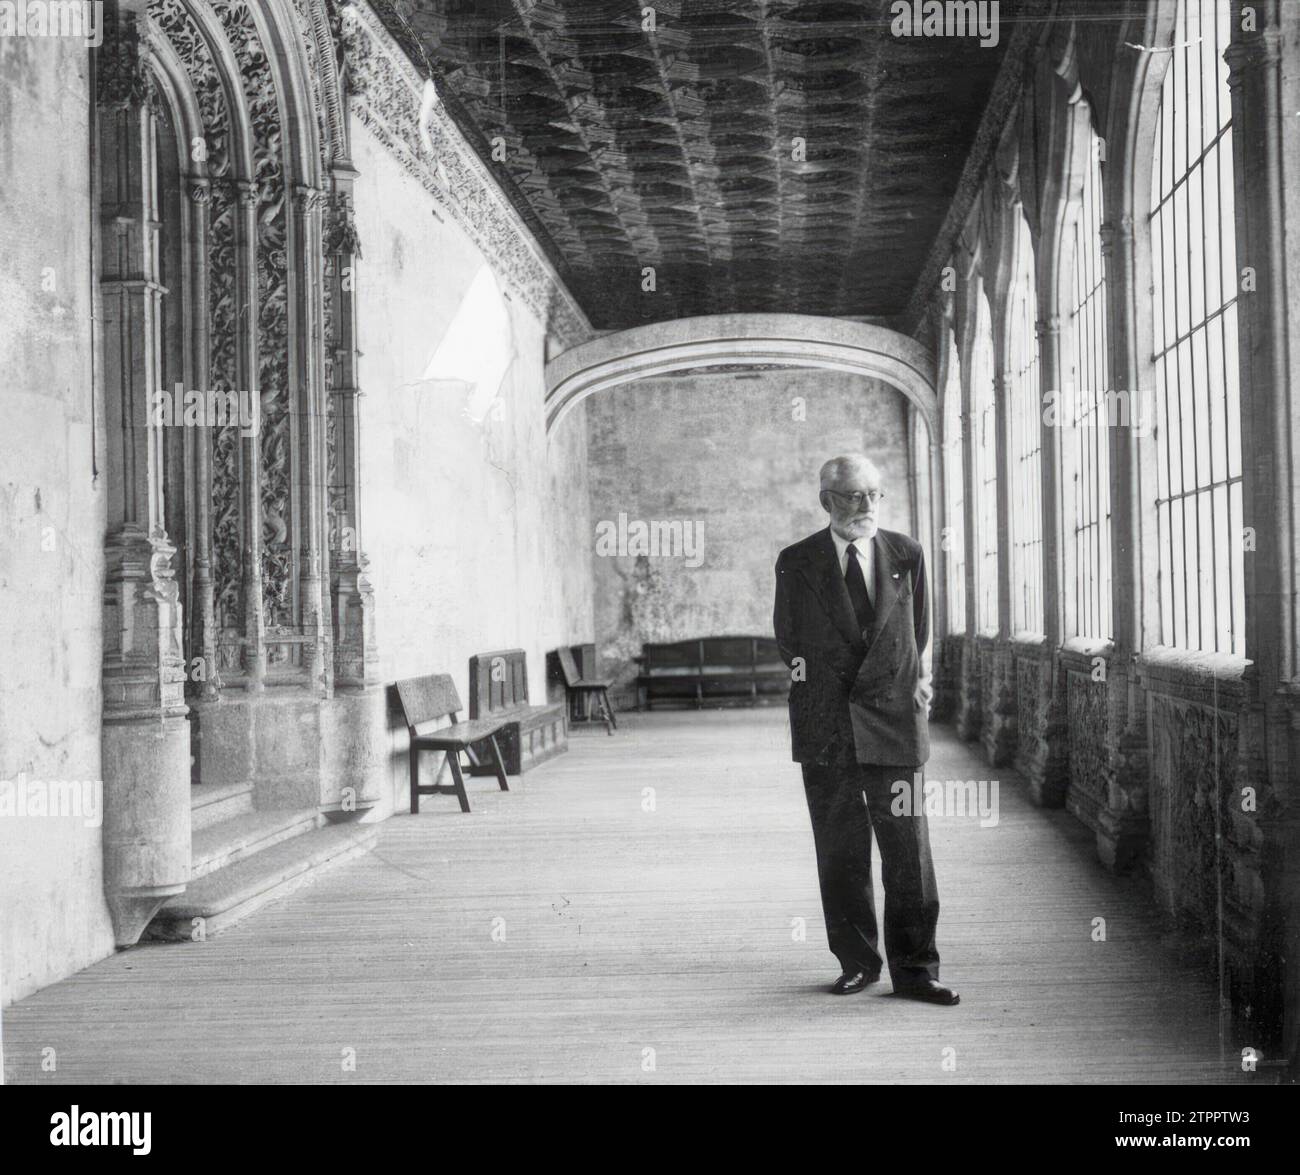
x=719, y=670
x=584, y=690
x=427, y=703
x=498, y=690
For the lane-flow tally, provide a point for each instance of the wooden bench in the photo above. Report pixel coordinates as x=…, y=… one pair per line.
x=718, y=670
x=427, y=703
x=498, y=690
x=583, y=691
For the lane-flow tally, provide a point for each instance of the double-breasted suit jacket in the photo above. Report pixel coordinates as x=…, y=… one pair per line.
x=852, y=686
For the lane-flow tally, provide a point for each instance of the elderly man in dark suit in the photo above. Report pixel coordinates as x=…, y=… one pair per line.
x=852, y=622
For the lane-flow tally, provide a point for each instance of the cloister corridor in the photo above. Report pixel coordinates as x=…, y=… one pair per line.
x=563, y=930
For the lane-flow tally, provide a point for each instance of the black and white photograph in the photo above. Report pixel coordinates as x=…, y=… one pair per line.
x=650, y=543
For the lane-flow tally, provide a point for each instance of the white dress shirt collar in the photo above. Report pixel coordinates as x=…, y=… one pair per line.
x=866, y=549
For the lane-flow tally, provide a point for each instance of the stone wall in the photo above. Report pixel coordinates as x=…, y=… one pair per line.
x=475, y=522
x=737, y=456
x=53, y=918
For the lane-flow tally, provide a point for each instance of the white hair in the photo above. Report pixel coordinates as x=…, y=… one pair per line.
x=835, y=469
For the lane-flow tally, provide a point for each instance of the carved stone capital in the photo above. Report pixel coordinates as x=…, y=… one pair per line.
x=308, y=199
x=144, y=671
x=341, y=236
x=1261, y=51
x=199, y=190
x=246, y=193
x=1048, y=327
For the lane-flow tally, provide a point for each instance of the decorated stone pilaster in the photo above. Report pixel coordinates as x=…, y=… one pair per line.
x=250, y=487
x=1048, y=788
x=146, y=741
x=968, y=702
x=307, y=375
x=947, y=679
x=356, y=653
x=1032, y=670
x=1049, y=785
x=1123, y=825
x=1265, y=97
x=1000, y=716
x=207, y=684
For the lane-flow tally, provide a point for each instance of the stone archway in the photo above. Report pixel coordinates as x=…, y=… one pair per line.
x=789, y=340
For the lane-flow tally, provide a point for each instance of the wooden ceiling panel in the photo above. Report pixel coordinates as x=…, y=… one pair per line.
x=758, y=155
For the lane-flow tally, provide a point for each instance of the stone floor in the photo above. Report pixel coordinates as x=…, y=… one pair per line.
x=630, y=912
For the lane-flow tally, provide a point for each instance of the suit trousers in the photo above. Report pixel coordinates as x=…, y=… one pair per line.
x=846, y=801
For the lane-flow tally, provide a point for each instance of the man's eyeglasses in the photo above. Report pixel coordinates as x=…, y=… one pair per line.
x=858, y=499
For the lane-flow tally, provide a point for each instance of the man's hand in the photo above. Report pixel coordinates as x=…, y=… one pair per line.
x=924, y=694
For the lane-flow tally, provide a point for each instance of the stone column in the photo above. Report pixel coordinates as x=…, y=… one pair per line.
x=204, y=630
x=1123, y=823
x=999, y=730
x=251, y=452
x=307, y=377
x=1048, y=786
x=969, y=704
x=1266, y=141
x=356, y=652
x=357, y=730
x=146, y=738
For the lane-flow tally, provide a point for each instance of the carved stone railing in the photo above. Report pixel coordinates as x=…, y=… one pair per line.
x=1205, y=804
x=947, y=678
x=1085, y=699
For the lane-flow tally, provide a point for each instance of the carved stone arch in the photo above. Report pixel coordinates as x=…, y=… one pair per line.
x=966, y=260
x=200, y=43
x=946, y=347
x=176, y=89
x=282, y=37
x=1138, y=81
x=191, y=35
x=999, y=260
x=788, y=340
x=1068, y=174
x=178, y=176
x=320, y=22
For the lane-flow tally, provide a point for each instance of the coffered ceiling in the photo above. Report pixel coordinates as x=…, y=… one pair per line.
x=757, y=155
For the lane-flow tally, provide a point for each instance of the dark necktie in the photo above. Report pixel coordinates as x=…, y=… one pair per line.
x=857, y=585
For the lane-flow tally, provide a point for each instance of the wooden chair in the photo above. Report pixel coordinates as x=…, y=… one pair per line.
x=595, y=690
x=426, y=703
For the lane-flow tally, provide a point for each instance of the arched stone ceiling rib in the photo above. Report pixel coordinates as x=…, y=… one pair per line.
x=740, y=342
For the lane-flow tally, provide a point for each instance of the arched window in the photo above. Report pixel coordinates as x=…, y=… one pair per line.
x=1026, y=442
x=954, y=526
x=1085, y=448
x=984, y=471
x=1197, y=411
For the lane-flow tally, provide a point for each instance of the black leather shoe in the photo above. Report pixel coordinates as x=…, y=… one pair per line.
x=929, y=991
x=854, y=981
